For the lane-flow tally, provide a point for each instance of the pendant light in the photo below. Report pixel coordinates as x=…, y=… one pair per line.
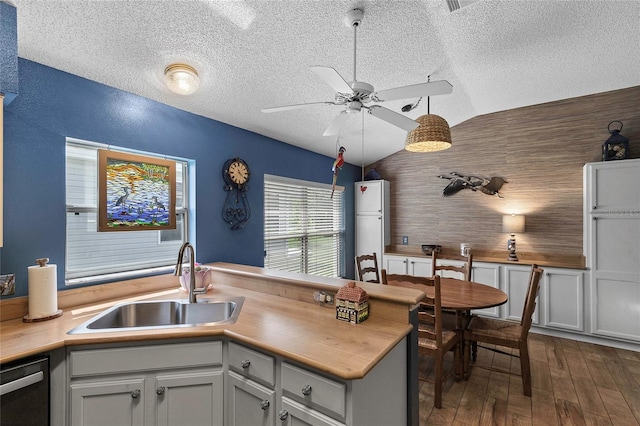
x=433, y=134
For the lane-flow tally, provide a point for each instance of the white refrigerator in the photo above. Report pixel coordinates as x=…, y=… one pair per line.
x=612, y=246
x=372, y=218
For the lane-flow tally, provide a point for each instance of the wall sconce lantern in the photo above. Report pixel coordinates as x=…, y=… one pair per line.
x=512, y=224
x=617, y=146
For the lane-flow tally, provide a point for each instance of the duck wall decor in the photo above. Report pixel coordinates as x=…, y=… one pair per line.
x=489, y=186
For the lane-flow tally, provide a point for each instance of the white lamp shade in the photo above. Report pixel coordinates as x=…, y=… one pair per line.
x=513, y=223
x=181, y=79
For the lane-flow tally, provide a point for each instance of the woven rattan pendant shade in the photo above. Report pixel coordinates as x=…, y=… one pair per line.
x=433, y=134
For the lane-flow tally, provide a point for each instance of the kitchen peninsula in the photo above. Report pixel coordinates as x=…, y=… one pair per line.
x=295, y=339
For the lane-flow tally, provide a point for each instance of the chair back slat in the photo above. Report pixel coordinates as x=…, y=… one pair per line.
x=463, y=270
x=530, y=301
x=431, y=317
x=368, y=264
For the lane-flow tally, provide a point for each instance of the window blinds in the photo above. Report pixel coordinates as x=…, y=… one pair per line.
x=303, y=227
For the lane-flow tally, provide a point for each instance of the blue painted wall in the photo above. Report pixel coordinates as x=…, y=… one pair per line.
x=53, y=105
x=8, y=52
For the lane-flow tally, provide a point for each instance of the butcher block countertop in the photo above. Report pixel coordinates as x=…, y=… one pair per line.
x=553, y=260
x=279, y=315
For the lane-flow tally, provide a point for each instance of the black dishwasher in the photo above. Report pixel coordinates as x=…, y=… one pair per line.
x=24, y=392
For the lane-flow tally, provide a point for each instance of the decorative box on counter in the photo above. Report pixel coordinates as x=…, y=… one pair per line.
x=352, y=304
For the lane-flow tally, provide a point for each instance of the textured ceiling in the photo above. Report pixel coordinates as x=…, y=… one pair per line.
x=254, y=54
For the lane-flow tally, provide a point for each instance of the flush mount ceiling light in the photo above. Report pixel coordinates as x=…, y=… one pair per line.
x=181, y=79
x=433, y=134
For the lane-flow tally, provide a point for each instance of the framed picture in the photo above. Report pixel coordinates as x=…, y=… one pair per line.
x=135, y=192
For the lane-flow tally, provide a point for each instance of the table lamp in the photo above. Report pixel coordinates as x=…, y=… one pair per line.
x=512, y=224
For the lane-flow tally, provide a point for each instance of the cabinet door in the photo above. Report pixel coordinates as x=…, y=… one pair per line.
x=108, y=403
x=369, y=197
x=488, y=274
x=516, y=286
x=419, y=266
x=249, y=403
x=189, y=398
x=293, y=413
x=369, y=236
x=395, y=264
x=613, y=185
x=563, y=299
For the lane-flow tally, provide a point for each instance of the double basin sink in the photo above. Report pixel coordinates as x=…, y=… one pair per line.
x=160, y=314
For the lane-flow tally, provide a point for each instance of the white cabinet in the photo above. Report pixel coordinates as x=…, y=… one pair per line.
x=318, y=393
x=488, y=274
x=311, y=397
x=251, y=398
x=296, y=414
x=249, y=403
x=516, y=285
x=373, y=230
x=147, y=385
x=108, y=402
x=563, y=298
x=612, y=247
x=418, y=266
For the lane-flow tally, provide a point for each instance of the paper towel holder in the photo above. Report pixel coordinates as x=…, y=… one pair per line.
x=29, y=318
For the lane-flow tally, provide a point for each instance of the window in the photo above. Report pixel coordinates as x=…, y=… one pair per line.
x=303, y=227
x=91, y=255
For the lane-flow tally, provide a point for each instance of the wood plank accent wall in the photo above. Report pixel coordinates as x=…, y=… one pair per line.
x=540, y=150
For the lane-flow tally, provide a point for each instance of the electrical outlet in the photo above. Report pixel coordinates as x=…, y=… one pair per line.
x=405, y=240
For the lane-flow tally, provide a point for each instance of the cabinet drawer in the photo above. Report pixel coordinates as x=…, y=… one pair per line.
x=252, y=364
x=315, y=391
x=144, y=358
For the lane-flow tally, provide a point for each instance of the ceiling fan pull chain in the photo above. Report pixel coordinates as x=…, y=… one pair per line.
x=355, y=34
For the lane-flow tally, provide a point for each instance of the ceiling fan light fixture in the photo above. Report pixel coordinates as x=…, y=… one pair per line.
x=433, y=134
x=181, y=79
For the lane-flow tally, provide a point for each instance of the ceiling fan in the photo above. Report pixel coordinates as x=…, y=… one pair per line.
x=354, y=95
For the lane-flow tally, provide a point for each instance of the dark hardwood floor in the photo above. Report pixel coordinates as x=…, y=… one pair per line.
x=574, y=383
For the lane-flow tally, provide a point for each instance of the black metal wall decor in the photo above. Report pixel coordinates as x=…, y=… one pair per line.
x=489, y=186
x=617, y=146
x=235, y=210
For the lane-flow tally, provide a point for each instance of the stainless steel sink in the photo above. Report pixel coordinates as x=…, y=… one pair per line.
x=158, y=314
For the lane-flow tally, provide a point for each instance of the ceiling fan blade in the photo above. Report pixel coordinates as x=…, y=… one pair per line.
x=297, y=106
x=393, y=117
x=336, y=124
x=431, y=88
x=332, y=78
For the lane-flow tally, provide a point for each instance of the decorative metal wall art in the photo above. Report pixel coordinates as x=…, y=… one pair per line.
x=458, y=182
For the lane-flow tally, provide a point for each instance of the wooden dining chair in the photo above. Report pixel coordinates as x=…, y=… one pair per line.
x=461, y=271
x=432, y=339
x=368, y=264
x=440, y=265
x=507, y=333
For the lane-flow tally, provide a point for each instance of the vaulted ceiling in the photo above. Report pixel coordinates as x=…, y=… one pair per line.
x=253, y=54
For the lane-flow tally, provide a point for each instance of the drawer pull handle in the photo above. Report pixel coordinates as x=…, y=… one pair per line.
x=264, y=404
x=282, y=415
x=306, y=391
x=160, y=390
x=246, y=363
x=135, y=394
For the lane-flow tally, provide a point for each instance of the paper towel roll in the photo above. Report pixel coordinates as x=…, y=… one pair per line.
x=43, y=290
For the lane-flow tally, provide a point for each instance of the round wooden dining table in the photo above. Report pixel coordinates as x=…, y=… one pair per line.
x=461, y=295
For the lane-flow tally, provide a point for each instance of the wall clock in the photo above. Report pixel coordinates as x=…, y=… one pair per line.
x=236, y=210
